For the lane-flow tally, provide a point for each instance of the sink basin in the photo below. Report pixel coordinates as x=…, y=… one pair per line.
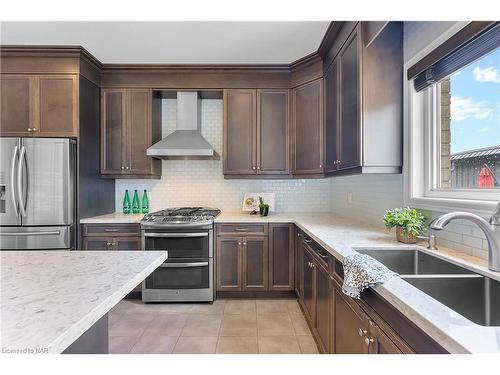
x=476, y=297
x=414, y=262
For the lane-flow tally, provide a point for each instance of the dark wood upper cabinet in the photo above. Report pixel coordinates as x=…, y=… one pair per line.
x=139, y=131
x=332, y=117
x=39, y=105
x=113, y=131
x=16, y=104
x=127, y=130
x=350, y=94
x=273, y=132
x=254, y=263
x=58, y=110
x=256, y=133
x=308, y=132
x=240, y=132
x=281, y=257
x=229, y=263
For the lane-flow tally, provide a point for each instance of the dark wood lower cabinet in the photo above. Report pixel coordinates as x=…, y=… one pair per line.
x=298, y=262
x=351, y=325
x=254, y=266
x=113, y=237
x=322, y=308
x=281, y=257
x=228, y=264
x=308, y=296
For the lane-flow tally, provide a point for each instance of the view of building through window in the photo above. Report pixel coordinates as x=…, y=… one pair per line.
x=470, y=125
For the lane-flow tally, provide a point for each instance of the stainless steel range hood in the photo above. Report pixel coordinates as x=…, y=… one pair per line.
x=186, y=140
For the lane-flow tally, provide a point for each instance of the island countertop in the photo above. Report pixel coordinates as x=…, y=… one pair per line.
x=50, y=298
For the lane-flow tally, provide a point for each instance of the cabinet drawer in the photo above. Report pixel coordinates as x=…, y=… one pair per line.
x=243, y=229
x=323, y=256
x=111, y=230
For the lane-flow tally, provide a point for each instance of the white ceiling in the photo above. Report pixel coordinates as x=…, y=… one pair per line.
x=175, y=42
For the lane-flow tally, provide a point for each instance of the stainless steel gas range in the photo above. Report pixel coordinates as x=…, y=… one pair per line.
x=187, y=234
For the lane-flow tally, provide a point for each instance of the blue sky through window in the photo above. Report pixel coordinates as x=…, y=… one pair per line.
x=475, y=104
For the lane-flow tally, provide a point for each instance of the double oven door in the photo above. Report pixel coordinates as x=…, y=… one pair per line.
x=187, y=274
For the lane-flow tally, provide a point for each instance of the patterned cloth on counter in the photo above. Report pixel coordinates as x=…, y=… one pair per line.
x=362, y=271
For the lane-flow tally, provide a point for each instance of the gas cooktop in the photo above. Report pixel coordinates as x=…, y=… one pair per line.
x=181, y=215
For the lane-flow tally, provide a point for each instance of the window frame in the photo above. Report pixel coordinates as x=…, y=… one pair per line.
x=421, y=170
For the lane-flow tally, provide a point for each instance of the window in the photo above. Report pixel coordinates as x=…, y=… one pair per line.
x=452, y=158
x=468, y=148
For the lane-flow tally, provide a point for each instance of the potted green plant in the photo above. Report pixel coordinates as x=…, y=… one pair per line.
x=409, y=223
x=263, y=207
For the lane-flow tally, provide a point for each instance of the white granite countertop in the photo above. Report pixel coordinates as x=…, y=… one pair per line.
x=50, y=298
x=341, y=237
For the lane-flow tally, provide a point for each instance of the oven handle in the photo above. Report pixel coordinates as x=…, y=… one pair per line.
x=175, y=234
x=183, y=265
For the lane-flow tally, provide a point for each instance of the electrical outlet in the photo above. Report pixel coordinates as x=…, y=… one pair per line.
x=349, y=197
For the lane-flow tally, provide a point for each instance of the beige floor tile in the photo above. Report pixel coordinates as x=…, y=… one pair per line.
x=166, y=325
x=278, y=345
x=131, y=324
x=239, y=325
x=307, y=345
x=272, y=306
x=202, y=325
x=195, y=345
x=154, y=344
x=293, y=307
x=274, y=325
x=237, y=345
x=121, y=344
x=240, y=307
x=299, y=324
x=174, y=308
x=216, y=307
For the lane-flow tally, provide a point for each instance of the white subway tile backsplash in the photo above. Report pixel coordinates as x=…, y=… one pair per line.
x=373, y=194
x=201, y=182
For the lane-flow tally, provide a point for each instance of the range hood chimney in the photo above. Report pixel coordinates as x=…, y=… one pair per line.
x=186, y=140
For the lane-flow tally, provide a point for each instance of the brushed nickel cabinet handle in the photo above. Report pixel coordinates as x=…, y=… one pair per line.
x=368, y=341
x=241, y=229
x=307, y=240
x=361, y=332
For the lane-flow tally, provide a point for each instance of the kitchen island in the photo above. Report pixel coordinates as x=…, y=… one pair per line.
x=57, y=301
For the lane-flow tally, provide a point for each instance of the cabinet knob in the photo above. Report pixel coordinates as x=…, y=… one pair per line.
x=35, y=129
x=258, y=168
x=122, y=167
x=368, y=341
x=321, y=166
x=127, y=168
x=30, y=130
x=108, y=243
x=298, y=235
x=239, y=243
x=244, y=243
x=361, y=332
x=253, y=168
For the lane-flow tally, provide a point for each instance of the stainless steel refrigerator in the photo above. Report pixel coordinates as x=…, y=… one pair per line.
x=37, y=193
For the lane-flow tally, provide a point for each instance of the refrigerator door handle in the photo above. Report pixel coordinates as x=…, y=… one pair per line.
x=12, y=180
x=20, y=167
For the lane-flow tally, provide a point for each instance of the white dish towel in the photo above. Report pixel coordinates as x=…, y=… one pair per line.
x=362, y=271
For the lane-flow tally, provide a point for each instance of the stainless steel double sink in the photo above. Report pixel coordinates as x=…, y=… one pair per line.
x=470, y=294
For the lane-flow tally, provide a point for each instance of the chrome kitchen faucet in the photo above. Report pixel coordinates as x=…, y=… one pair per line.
x=490, y=229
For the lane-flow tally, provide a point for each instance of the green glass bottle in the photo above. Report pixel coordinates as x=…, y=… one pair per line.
x=136, y=208
x=145, y=202
x=126, y=203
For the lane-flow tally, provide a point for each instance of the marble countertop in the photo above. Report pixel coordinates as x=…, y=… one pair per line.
x=50, y=298
x=114, y=218
x=342, y=236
